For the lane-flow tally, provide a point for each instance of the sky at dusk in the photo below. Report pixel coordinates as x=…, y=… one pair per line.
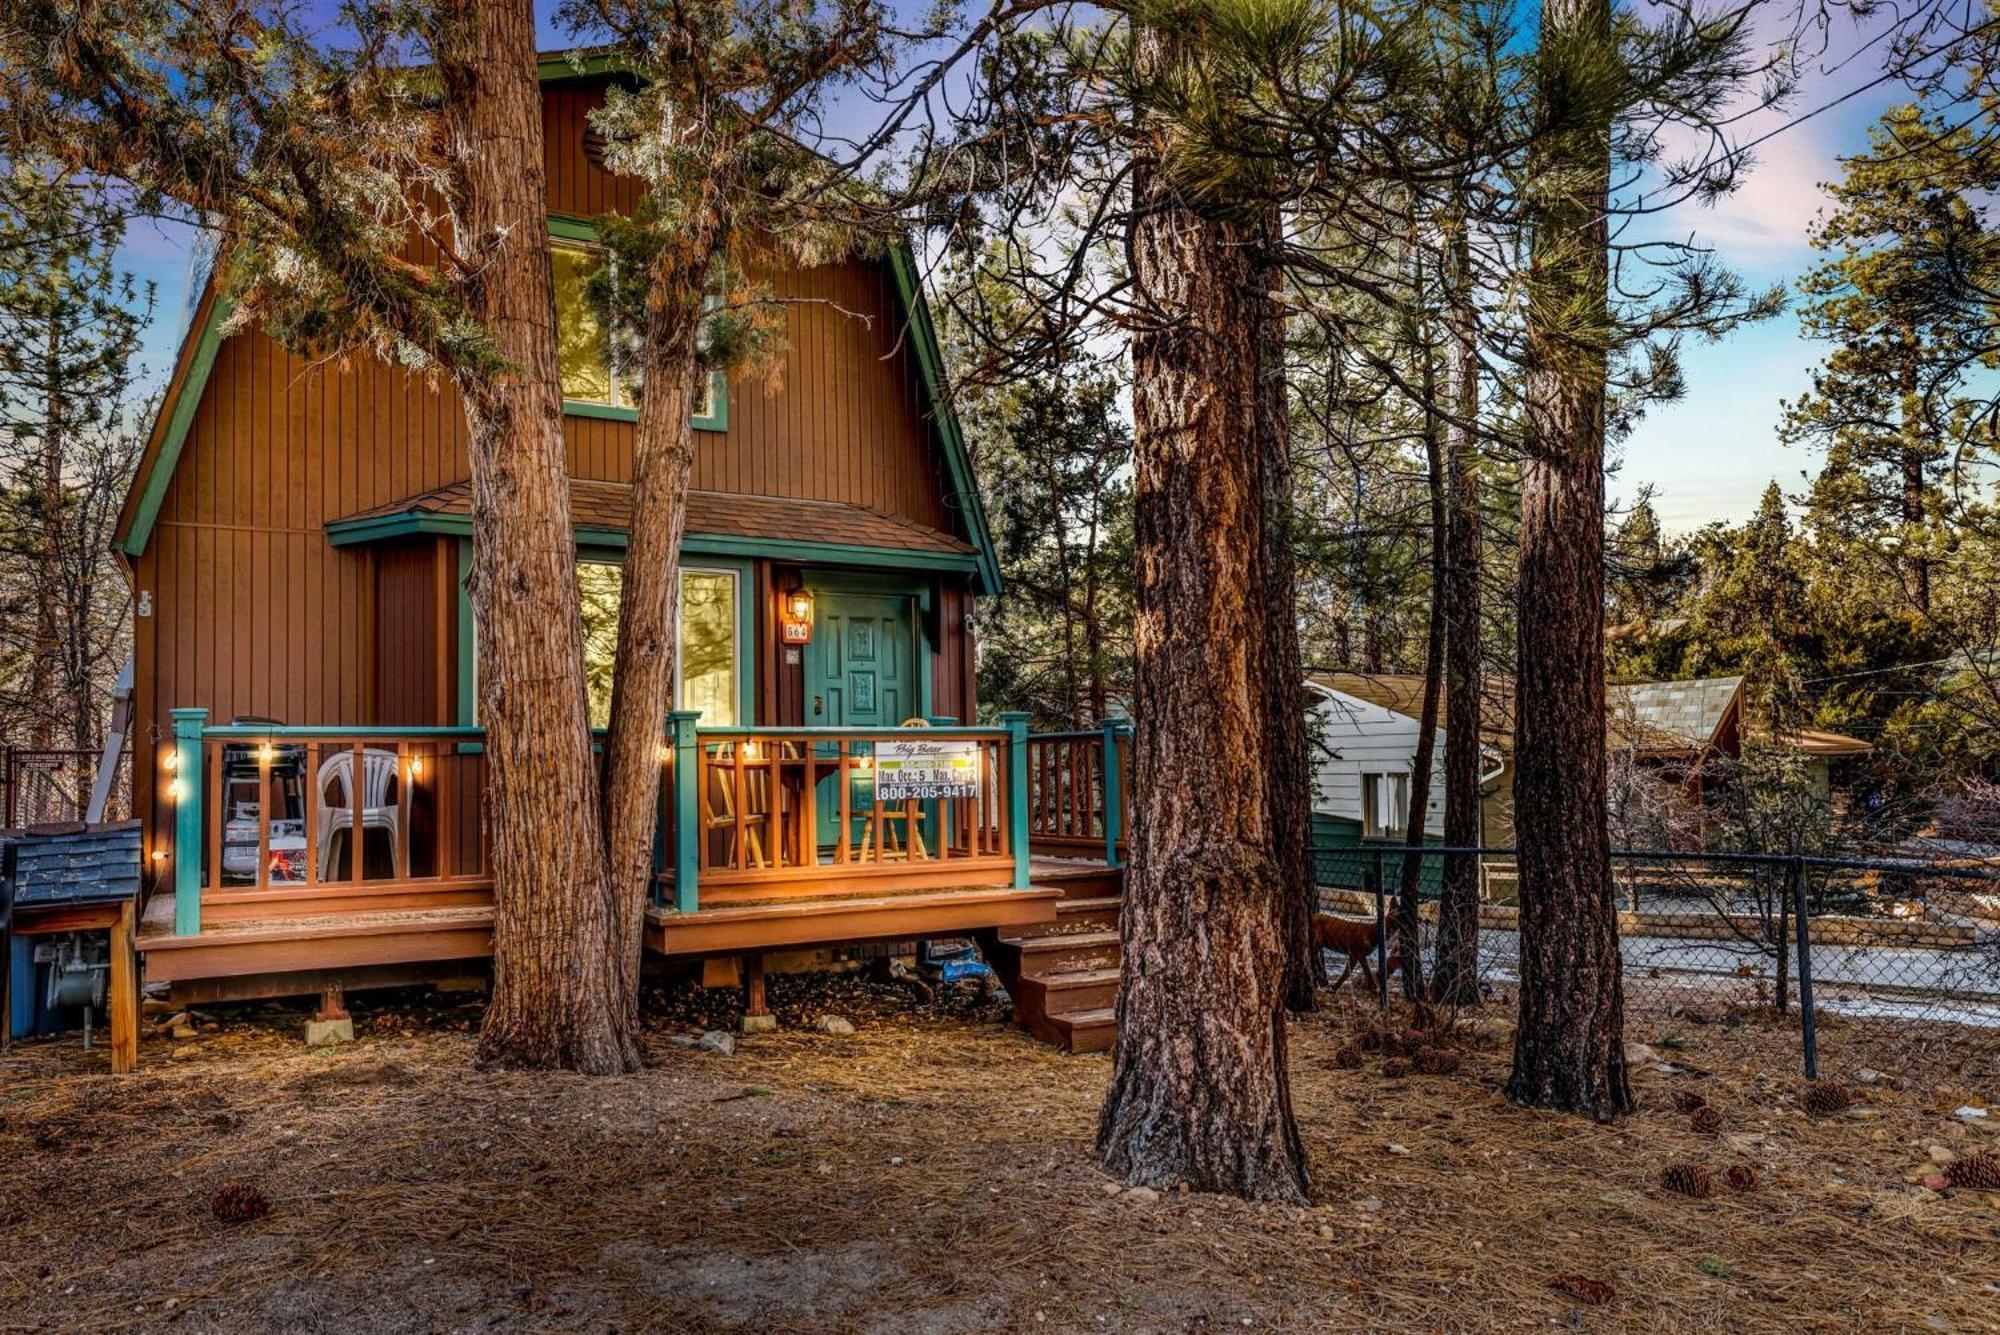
x=1706, y=457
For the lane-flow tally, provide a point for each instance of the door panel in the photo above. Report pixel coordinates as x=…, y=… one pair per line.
x=860, y=672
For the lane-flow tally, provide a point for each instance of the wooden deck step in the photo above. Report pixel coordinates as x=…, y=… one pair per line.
x=1041, y=997
x=1097, y=911
x=1087, y=1031
x=1066, y=951
x=292, y=943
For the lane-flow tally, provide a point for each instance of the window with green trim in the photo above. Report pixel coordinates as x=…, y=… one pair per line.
x=710, y=641
x=587, y=358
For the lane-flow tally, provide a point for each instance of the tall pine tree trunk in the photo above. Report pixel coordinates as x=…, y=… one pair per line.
x=1409, y=927
x=1568, y=1048
x=1199, y=1087
x=663, y=462
x=555, y=975
x=1287, y=747
x=1455, y=978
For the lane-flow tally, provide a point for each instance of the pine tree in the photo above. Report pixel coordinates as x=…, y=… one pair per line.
x=321, y=157
x=1902, y=300
x=70, y=326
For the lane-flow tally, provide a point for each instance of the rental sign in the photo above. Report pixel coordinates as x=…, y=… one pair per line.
x=919, y=771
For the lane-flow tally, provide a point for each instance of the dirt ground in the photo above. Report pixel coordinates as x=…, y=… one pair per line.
x=931, y=1172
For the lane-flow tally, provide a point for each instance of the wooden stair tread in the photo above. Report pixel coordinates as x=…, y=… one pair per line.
x=1096, y=1015
x=1090, y=905
x=1100, y=936
x=1074, y=978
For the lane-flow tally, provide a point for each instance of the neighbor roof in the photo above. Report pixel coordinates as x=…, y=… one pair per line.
x=1403, y=693
x=1676, y=715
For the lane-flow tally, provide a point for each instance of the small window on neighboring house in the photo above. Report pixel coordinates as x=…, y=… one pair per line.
x=1385, y=805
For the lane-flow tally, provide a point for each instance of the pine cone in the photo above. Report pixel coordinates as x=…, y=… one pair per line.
x=1589, y=1292
x=1689, y=1179
x=1349, y=1058
x=1686, y=1101
x=1370, y=1040
x=1824, y=1100
x=1395, y=1069
x=1434, y=1061
x=238, y=1202
x=1741, y=1177
x=1979, y=1170
x=1706, y=1120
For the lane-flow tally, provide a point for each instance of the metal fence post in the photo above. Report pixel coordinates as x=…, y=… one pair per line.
x=1808, y=1024
x=1381, y=928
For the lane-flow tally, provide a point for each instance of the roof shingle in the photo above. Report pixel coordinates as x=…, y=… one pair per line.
x=608, y=505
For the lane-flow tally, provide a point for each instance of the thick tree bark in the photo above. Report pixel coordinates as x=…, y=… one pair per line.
x=1287, y=748
x=1455, y=979
x=555, y=977
x=1568, y=1048
x=663, y=461
x=1199, y=1088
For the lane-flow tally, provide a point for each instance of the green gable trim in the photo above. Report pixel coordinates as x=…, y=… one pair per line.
x=180, y=418
x=560, y=66
x=930, y=364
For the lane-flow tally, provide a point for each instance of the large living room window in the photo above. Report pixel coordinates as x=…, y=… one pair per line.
x=710, y=641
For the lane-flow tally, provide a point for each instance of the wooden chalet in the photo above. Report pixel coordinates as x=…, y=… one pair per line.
x=308, y=762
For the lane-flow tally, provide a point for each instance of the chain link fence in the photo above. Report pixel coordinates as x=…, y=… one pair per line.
x=1876, y=955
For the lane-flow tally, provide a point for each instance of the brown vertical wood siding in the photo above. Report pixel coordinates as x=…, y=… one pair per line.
x=255, y=612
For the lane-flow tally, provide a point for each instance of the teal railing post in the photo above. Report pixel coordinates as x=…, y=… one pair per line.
x=188, y=725
x=1114, y=799
x=687, y=810
x=1017, y=793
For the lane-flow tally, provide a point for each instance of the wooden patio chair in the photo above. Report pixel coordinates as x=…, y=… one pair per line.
x=880, y=832
x=719, y=811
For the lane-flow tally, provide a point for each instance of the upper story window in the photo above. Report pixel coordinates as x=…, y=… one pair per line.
x=587, y=358
x=583, y=351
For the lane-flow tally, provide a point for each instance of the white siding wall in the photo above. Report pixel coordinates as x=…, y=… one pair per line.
x=1366, y=738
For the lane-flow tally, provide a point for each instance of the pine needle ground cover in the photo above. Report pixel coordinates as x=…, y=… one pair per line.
x=932, y=1172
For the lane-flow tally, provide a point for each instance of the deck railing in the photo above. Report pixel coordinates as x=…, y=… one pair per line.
x=269, y=811
x=1080, y=786
x=772, y=812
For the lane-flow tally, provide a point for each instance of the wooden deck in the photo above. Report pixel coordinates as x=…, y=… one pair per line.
x=273, y=942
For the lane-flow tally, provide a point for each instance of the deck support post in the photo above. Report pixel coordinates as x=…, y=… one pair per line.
x=1016, y=724
x=687, y=812
x=188, y=726
x=1114, y=812
x=124, y=998
x=757, y=1017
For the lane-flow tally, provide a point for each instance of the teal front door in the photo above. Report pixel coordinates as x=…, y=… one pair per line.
x=860, y=673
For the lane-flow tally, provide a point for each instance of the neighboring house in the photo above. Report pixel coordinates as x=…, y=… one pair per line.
x=297, y=537
x=1367, y=727
x=1365, y=748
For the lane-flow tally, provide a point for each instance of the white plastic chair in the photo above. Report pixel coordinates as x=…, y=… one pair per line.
x=377, y=811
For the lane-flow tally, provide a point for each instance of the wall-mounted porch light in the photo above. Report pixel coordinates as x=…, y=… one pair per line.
x=795, y=626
